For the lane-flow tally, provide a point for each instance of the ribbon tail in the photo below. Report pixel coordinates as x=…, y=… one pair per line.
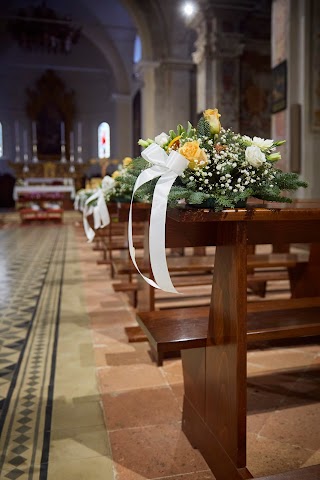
x=104, y=212
x=88, y=210
x=87, y=229
x=143, y=178
x=157, y=232
x=96, y=217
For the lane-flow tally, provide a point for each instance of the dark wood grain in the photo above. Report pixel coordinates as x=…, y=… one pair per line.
x=214, y=412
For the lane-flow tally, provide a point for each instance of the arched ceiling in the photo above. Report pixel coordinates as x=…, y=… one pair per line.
x=111, y=26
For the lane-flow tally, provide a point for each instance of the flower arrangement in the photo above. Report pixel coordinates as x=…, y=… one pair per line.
x=224, y=169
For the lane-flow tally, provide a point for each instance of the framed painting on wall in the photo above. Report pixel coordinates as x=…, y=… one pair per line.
x=279, y=87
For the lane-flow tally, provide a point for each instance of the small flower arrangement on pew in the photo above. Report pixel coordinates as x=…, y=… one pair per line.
x=224, y=169
x=94, y=206
x=111, y=188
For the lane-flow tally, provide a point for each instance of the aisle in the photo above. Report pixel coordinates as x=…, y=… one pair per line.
x=49, y=404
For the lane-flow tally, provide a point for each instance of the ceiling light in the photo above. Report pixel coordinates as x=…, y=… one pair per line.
x=188, y=9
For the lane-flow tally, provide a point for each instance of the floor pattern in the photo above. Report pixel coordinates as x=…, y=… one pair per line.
x=32, y=263
x=57, y=424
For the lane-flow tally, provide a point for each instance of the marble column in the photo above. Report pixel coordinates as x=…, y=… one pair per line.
x=175, y=99
x=217, y=56
x=145, y=72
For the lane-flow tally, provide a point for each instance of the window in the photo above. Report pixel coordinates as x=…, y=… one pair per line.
x=137, y=50
x=1, y=141
x=104, y=140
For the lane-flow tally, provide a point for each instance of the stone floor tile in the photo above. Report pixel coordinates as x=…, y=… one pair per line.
x=173, y=371
x=295, y=426
x=138, y=408
x=279, y=359
x=155, y=451
x=129, y=377
x=107, y=335
x=314, y=459
x=67, y=414
x=81, y=442
x=97, y=468
x=139, y=355
x=267, y=456
x=178, y=391
x=207, y=475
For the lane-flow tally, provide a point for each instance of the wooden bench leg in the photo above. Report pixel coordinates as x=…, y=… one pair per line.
x=157, y=356
x=258, y=287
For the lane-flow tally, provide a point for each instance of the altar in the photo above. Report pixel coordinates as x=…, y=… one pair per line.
x=43, y=192
x=51, y=171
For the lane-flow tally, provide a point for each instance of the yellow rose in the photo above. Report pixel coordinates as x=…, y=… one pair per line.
x=126, y=161
x=196, y=156
x=115, y=174
x=212, y=117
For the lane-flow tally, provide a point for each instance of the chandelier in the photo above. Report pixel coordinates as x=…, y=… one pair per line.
x=40, y=28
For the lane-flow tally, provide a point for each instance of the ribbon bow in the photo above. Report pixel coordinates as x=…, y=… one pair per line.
x=101, y=217
x=168, y=168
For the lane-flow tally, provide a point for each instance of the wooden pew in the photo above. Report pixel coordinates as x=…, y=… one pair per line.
x=193, y=271
x=214, y=359
x=184, y=328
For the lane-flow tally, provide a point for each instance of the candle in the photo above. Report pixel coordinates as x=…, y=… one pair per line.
x=63, y=138
x=16, y=132
x=34, y=133
x=79, y=133
x=25, y=145
x=17, y=141
x=71, y=147
x=71, y=142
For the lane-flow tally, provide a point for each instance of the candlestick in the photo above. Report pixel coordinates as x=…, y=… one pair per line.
x=63, y=154
x=71, y=144
x=34, y=133
x=62, y=131
x=79, y=143
x=79, y=133
x=17, y=141
x=25, y=151
x=25, y=146
x=34, y=143
x=71, y=169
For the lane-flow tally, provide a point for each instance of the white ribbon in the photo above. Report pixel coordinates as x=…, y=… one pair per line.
x=168, y=168
x=76, y=202
x=101, y=217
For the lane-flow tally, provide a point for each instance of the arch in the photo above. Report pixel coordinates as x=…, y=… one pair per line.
x=154, y=40
x=104, y=43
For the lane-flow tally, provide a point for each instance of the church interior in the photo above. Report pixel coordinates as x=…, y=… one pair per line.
x=104, y=374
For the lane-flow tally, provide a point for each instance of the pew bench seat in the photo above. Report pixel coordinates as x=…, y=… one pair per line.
x=185, y=328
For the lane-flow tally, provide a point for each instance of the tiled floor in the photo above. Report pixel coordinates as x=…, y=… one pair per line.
x=116, y=416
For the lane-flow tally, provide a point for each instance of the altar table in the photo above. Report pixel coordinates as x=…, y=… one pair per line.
x=214, y=411
x=43, y=193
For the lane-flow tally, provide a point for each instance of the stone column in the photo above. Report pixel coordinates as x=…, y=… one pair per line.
x=217, y=56
x=175, y=94
x=121, y=136
x=145, y=72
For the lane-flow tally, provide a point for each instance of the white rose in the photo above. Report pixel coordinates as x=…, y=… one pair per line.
x=262, y=143
x=107, y=183
x=254, y=156
x=162, y=139
x=247, y=140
